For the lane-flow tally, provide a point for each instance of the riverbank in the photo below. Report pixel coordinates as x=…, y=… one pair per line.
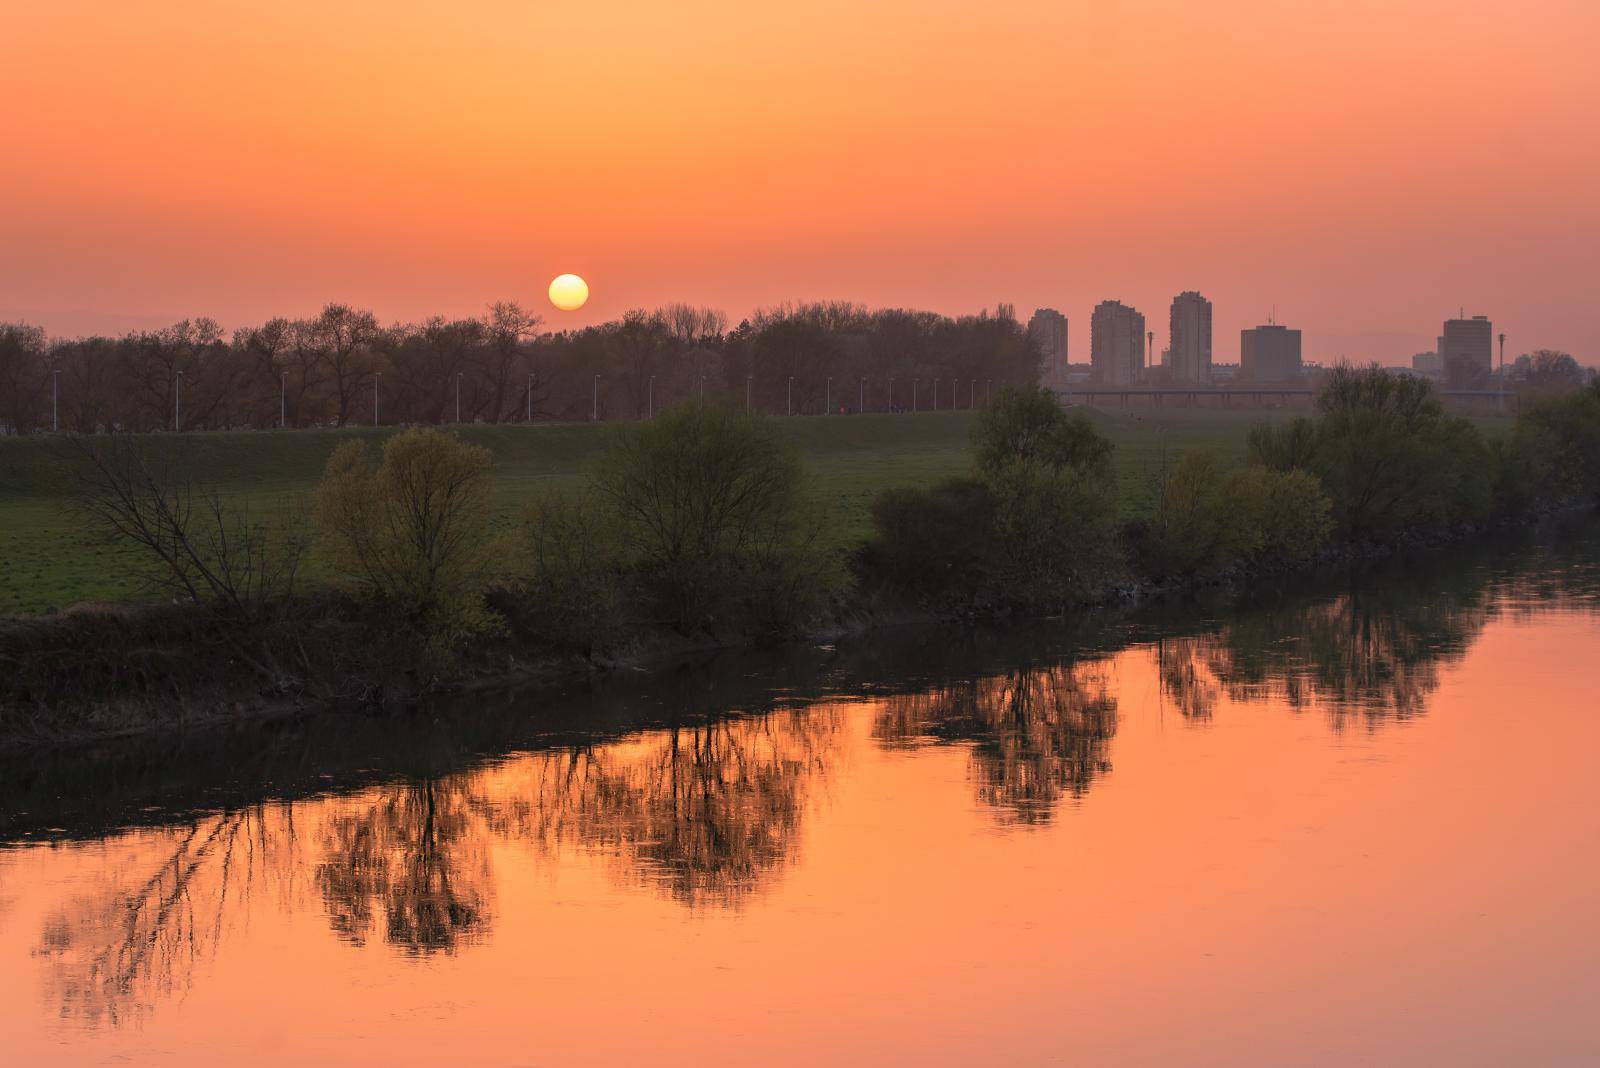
x=99, y=674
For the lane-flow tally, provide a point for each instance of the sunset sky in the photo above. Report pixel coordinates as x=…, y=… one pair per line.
x=1369, y=167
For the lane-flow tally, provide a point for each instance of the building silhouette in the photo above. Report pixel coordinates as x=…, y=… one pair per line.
x=1466, y=348
x=1269, y=353
x=1116, y=343
x=1048, y=328
x=1189, y=352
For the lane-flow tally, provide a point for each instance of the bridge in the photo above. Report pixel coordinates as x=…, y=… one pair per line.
x=1254, y=396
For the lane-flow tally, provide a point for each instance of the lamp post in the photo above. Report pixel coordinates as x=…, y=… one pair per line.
x=530, y=398
x=861, y=398
x=458, y=397
x=988, y=385
x=935, y=394
x=375, y=376
x=283, y=400
x=890, y=406
x=791, y=395
x=594, y=413
x=55, y=394
x=972, y=395
x=914, y=383
x=702, y=387
x=650, y=403
x=747, y=380
x=177, y=401
x=1500, y=385
x=827, y=396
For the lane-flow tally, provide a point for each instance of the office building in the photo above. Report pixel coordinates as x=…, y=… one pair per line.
x=1269, y=353
x=1466, y=348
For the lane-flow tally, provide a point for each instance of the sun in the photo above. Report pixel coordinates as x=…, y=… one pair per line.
x=569, y=292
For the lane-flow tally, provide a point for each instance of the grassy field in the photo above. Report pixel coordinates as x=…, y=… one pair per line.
x=48, y=560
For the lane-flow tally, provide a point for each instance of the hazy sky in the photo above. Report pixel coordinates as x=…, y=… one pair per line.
x=1369, y=167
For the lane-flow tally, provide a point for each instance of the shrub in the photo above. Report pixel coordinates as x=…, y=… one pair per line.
x=1553, y=451
x=1029, y=425
x=1275, y=515
x=576, y=584
x=712, y=507
x=1190, y=528
x=1054, y=537
x=410, y=530
x=933, y=543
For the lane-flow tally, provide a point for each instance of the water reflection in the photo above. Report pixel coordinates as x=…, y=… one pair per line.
x=407, y=861
x=140, y=936
x=696, y=788
x=1036, y=736
x=706, y=814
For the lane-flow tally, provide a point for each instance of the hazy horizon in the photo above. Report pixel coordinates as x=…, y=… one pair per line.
x=1367, y=169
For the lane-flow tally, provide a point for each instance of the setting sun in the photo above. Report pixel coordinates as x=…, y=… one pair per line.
x=569, y=292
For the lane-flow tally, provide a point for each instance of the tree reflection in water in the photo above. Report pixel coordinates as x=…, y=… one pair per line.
x=413, y=854
x=1367, y=657
x=1035, y=735
x=140, y=938
x=707, y=814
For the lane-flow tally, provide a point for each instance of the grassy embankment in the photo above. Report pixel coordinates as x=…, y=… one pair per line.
x=48, y=560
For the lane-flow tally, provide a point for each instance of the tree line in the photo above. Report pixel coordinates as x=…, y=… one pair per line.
x=342, y=367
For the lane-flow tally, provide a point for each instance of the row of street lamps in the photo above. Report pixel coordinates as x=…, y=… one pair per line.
x=594, y=414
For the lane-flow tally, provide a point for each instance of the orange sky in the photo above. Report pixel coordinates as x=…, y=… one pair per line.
x=1367, y=166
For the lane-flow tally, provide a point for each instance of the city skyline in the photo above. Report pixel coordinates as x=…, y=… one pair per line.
x=170, y=164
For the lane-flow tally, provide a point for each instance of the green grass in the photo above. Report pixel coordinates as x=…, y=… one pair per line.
x=47, y=558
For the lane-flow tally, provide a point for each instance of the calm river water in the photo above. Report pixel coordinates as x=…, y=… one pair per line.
x=1355, y=823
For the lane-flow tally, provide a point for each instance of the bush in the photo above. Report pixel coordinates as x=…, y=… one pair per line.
x=1553, y=452
x=1054, y=537
x=1035, y=530
x=411, y=530
x=1281, y=516
x=1387, y=454
x=576, y=585
x=1029, y=425
x=1206, y=518
x=712, y=507
x=933, y=543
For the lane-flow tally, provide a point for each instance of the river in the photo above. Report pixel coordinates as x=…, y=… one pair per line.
x=1353, y=821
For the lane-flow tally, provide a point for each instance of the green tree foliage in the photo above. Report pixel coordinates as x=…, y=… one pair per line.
x=577, y=598
x=1028, y=425
x=1553, y=452
x=1035, y=528
x=410, y=529
x=1388, y=455
x=712, y=507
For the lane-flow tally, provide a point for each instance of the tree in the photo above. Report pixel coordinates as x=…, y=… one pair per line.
x=1549, y=371
x=24, y=377
x=411, y=530
x=712, y=505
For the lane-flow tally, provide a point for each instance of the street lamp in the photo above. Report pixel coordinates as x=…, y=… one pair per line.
x=827, y=395
x=594, y=414
x=650, y=406
x=791, y=395
x=890, y=406
x=1500, y=385
x=177, y=400
x=375, y=376
x=530, y=397
x=861, y=398
x=972, y=395
x=914, y=383
x=935, y=394
x=458, y=397
x=747, y=380
x=283, y=400
x=55, y=393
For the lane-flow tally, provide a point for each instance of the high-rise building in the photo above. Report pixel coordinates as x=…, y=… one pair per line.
x=1189, y=354
x=1466, y=348
x=1048, y=328
x=1116, y=343
x=1269, y=353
